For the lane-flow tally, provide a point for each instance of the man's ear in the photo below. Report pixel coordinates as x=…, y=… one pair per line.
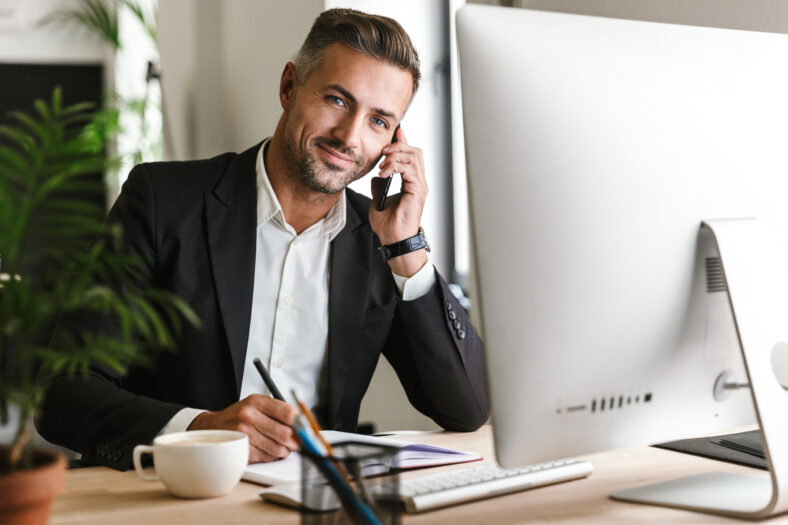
x=287, y=85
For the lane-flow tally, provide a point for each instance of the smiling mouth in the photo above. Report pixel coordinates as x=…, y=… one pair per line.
x=334, y=156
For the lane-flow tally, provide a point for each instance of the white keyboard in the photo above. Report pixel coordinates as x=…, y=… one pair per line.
x=484, y=481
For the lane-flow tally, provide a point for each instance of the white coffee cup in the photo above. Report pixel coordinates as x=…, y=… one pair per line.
x=196, y=464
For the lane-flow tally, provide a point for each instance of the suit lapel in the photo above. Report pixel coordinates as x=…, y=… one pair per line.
x=348, y=292
x=231, y=218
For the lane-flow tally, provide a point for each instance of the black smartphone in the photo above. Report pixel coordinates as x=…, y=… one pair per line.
x=383, y=194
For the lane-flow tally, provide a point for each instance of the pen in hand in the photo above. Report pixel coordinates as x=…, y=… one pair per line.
x=267, y=379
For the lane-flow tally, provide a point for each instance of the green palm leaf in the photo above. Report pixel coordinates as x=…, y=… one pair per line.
x=93, y=16
x=45, y=228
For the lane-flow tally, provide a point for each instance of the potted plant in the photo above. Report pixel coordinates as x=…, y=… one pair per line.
x=58, y=257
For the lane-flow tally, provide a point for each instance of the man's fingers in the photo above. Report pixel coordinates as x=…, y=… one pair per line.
x=396, y=161
x=271, y=430
x=393, y=162
x=399, y=147
x=400, y=164
x=271, y=418
x=262, y=417
x=274, y=408
x=280, y=434
x=259, y=455
x=268, y=448
x=412, y=184
x=270, y=438
x=412, y=178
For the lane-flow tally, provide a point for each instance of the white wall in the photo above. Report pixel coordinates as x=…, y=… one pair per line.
x=260, y=38
x=23, y=41
x=177, y=55
x=221, y=63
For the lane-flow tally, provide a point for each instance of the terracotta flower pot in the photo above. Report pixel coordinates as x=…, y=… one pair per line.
x=26, y=496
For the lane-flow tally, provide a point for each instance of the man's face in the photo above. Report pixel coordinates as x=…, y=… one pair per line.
x=337, y=122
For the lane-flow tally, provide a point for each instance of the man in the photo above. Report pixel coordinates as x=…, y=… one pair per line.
x=281, y=262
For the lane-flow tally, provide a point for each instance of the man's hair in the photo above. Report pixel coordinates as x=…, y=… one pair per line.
x=377, y=36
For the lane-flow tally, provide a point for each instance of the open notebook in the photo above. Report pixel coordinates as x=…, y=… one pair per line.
x=410, y=455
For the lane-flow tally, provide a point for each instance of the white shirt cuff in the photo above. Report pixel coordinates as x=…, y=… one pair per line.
x=180, y=421
x=419, y=284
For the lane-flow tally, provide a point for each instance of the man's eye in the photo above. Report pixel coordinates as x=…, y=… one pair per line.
x=336, y=100
x=379, y=122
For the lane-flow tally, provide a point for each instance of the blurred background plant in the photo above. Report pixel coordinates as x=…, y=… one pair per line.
x=132, y=114
x=59, y=258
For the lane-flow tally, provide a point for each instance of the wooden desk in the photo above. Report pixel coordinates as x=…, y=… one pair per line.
x=101, y=495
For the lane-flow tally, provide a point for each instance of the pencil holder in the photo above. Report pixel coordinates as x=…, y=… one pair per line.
x=367, y=492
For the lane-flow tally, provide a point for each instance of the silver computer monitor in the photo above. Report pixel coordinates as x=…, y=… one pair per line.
x=595, y=149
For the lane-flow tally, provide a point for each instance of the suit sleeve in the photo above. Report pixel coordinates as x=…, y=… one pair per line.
x=438, y=357
x=93, y=414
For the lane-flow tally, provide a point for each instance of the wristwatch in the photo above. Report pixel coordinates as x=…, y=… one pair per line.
x=411, y=244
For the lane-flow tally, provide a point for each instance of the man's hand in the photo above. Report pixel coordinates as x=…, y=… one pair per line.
x=401, y=217
x=265, y=420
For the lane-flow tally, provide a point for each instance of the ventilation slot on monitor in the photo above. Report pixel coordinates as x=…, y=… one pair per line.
x=612, y=403
x=715, y=279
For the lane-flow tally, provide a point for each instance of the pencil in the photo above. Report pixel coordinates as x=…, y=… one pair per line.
x=310, y=417
x=312, y=423
x=356, y=508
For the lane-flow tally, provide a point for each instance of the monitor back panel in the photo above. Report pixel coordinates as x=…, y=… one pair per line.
x=595, y=148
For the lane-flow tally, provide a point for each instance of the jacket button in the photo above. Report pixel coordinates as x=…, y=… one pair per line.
x=457, y=324
x=461, y=334
x=452, y=315
x=448, y=305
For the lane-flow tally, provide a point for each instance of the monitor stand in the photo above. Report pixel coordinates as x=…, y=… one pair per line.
x=756, y=272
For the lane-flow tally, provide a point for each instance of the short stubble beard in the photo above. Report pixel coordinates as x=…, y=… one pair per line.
x=328, y=179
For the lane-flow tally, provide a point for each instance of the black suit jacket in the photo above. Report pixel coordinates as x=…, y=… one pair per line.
x=194, y=225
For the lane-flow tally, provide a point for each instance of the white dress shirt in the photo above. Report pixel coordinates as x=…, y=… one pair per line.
x=289, y=323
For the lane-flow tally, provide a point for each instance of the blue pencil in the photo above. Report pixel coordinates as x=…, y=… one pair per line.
x=345, y=492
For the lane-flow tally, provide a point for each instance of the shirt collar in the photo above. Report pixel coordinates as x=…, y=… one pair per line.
x=268, y=206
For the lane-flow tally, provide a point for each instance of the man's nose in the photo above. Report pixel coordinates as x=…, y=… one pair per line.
x=348, y=130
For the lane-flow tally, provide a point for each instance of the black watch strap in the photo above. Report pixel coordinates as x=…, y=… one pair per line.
x=411, y=244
